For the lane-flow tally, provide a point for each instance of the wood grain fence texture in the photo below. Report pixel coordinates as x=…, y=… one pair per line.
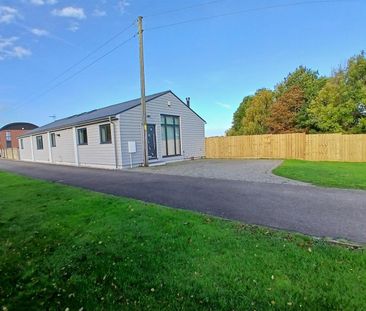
x=312, y=147
x=10, y=153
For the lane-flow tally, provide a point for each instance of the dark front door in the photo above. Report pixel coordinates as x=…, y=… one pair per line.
x=151, y=141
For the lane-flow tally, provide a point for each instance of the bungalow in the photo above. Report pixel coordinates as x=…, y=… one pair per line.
x=112, y=137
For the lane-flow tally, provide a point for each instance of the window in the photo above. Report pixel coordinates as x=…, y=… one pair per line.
x=105, y=134
x=8, y=136
x=170, y=134
x=21, y=143
x=82, y=136
x=53, y=140
x=39, y=140
x=8, y=139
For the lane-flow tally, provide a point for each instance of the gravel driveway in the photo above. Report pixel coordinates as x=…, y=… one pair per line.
x=242, y=170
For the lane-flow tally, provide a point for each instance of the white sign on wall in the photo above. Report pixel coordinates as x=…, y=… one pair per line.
x=131, y=147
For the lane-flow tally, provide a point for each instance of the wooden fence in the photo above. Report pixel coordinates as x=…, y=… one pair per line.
x=313, y=147
x=10, y=153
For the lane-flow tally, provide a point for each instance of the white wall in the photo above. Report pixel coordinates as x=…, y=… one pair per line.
x=41, y=155
x=192, y=129
x=95, y=153
x=25, y=153
x=64, y=152
x=130, y=128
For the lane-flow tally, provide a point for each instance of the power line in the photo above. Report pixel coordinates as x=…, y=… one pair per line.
x=183, y=8
x=98, y=48
x=269, y=7
x=79, y=71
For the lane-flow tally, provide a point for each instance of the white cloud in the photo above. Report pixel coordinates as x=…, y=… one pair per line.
x=70, y=11
x=99, y=13
x=8, y=14
x=122, y=5
x=39, y=32
x=9, y=49
x=223, y=105
x=43, y=2
x=20, y=52
x=74, y=26
x=6, y=42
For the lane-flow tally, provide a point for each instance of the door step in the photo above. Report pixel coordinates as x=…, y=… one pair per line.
x=157, y=163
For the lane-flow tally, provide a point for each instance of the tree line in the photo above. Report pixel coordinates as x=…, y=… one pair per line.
x=308, y=102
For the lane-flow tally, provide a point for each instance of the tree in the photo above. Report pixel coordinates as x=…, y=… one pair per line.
x=256, y=113
x=356, y=81
x=309, y=82
x=339, y=105
x=237, y=124
x=332, y=111
x=306, y=101
x=284, y=111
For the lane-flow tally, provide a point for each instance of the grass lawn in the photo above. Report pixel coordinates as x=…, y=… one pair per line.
x=62, y=248
x=329, y=174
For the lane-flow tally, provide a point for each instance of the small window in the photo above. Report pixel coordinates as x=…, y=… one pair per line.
x=21, y=143
x=105, y=134
x=39, y=140
x=8, y=136
x=53, y=140
x=8, y=139
x=82, y=136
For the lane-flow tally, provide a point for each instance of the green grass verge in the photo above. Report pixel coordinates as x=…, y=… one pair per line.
x=329, y=174
x=62, y=247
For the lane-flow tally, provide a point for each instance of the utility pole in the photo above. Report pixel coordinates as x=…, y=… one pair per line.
x=142, y=83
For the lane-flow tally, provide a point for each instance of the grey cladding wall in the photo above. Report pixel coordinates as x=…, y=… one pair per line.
x=192, y=128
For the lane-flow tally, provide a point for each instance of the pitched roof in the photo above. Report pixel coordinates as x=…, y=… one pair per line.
x=93, y=115
x=18, y=126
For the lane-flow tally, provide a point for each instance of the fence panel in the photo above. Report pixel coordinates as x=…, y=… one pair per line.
x=10, y=153
x=313, y=147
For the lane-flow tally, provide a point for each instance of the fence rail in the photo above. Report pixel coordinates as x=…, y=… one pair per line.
x=313, y=147
x=9, y=153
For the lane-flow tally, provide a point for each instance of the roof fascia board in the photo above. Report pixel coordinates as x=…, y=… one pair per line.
x=150, y=99
x=56, y=129
x=163, y=95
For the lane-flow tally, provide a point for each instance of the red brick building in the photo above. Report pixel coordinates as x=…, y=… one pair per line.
x=10, y=132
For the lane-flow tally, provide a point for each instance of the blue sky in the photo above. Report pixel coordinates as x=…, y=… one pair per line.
x=215, y=61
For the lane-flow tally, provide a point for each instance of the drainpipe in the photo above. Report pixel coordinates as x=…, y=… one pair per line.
x=76, y=152
x=49, y=148
x=114, y=140
x=32, y=149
